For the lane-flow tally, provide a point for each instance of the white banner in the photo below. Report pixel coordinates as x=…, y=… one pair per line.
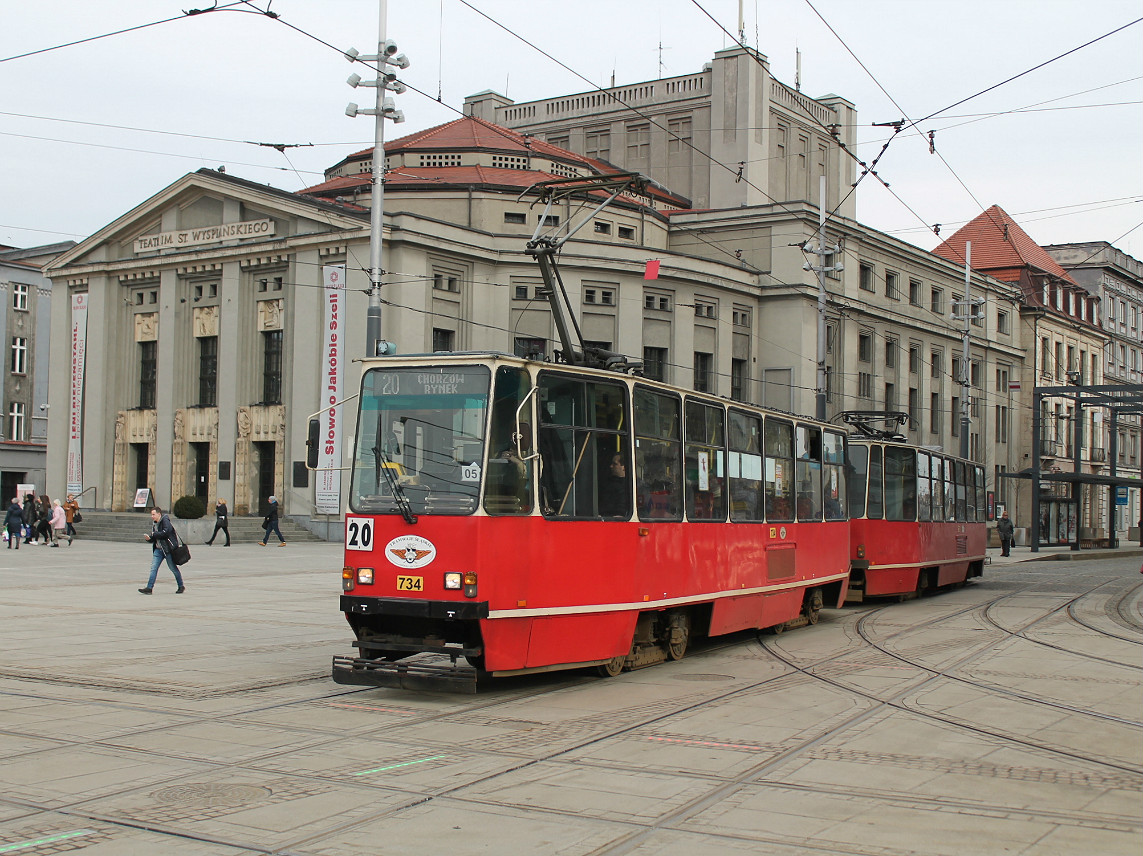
x=75, y=423
x=328, y=494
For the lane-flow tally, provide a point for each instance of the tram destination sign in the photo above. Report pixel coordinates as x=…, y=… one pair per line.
x=419, y=382
x=205, y=235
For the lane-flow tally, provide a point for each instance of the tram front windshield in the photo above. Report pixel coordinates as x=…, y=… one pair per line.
x=420, y=440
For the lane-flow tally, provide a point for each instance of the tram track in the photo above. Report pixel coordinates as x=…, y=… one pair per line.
x=936, y=675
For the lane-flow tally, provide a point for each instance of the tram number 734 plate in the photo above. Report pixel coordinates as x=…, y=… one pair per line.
x=410, y=583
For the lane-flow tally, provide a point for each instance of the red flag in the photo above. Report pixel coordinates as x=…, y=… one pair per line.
x=652, y=271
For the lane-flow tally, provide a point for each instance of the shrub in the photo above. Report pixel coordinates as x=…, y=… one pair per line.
x=189, y=508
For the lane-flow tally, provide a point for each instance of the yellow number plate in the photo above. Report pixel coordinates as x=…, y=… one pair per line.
x=410, y=583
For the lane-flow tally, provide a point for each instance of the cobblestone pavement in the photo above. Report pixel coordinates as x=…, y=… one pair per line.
x=1003, y=717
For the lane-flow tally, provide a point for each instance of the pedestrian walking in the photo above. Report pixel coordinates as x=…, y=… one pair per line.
x=59, y=523
x=14, y=522
x=162, y=539
x=29, y=517
x=44, y=520
x=71, y=511
x=1005, y=530
x=270, y=524
x=221, y=522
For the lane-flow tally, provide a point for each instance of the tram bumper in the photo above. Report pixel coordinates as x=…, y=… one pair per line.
x=431, y=676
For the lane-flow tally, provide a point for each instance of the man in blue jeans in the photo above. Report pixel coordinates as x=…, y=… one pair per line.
x=162, y=540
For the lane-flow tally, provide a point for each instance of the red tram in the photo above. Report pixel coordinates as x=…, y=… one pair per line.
x=917, y=519
x=531, y=516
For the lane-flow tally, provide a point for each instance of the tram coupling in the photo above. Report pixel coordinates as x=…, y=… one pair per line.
x=430, y=674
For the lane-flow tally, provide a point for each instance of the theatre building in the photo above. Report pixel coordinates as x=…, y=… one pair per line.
x=198, y=330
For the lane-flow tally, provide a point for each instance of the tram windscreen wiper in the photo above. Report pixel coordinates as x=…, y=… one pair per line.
x=385, y=465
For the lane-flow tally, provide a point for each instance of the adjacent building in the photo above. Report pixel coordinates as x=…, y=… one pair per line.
x=1115, y=279
x=1064, y=344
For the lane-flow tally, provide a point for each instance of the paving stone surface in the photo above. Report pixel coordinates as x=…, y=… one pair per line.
x=1002, y=717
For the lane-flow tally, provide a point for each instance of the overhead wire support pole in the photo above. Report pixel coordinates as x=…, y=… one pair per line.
x=965, y=373
x=823, y=253
x=385, y=108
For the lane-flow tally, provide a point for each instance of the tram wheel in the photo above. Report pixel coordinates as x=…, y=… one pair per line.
x=777, y=629
x=476, y=661
x=612, y=667
x=678, y=635
x=813, y=608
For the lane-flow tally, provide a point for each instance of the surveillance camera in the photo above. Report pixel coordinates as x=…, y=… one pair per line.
x=43, y=407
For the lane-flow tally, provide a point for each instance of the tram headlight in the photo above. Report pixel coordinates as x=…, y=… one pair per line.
x=365, y=576
x=348, y=583
x=452, y=581
x=470, y=584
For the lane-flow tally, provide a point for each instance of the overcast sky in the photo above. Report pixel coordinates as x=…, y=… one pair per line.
x=1060, y=148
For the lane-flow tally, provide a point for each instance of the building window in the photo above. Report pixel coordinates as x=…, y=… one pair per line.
x=738, y=380
x=20, y=296
x=148, y=371
x=208, y=371
x=446, y=282
x=864, y=385
x=638, y=141
x=272, y=367
x=741, y=318
x=866, y=281
x=703, y=364
x=655, y=363
x=703, y=309
x=892, y=286
x=937, y=301
x=607, y=297
x=602, y=227
x=914, y=408
x=517, y=218
x=914, y=359
x=865, y=347
x=1001, y=322
x=1001, y=424
x=915, y=292
x=955, y=417
x=548, y=219
x=589, y=295
x=678, y=135
x=935, y=413
x=627, y=233
x=529, y=347
x=659, y=302
x=890, y=396
x=19, y=355
x=16, y=421
x=597, y=144
x=890, y=353
x=444, y=340
x=519, y=292
x=935, y=365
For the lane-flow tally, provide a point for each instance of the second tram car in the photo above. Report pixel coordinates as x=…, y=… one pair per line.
x=917, y=519
x=531, y=516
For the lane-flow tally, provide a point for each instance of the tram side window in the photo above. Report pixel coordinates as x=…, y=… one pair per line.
x=970, y=493
x=779, y=471
x=981, y=499
x=874, y=506
x=705, y=461
x=924, y=486
x=950, y=492
x=745, y=466
x=658, y=455
x=900, y=483
x=938, y=481
x=808, y=472
x=508, y=479
x=583, y=427
x=858, y=475
x=961, y=512
x=833, y=475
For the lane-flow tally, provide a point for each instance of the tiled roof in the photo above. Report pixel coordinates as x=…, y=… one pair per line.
x=1000, y=248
